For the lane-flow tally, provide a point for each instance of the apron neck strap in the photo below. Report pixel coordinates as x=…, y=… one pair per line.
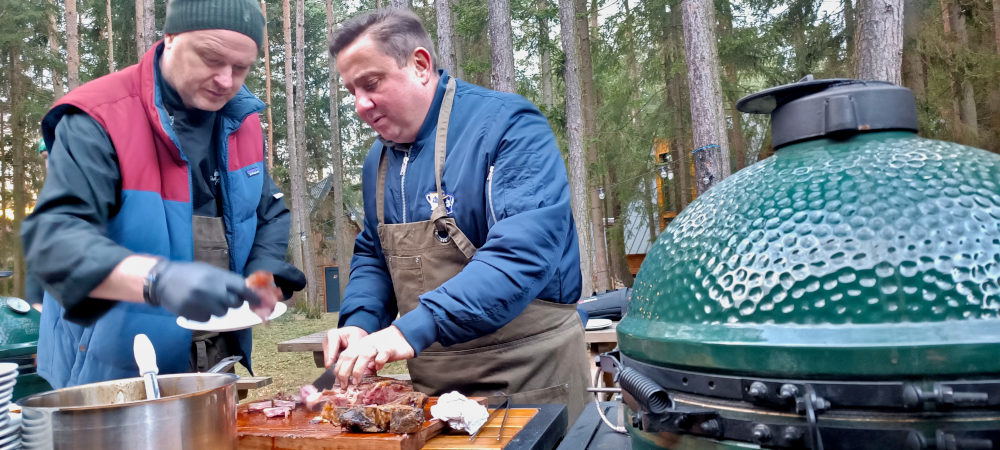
x=441, y=147
x=440, y=151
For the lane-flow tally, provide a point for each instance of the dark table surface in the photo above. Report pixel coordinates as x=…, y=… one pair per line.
x=589, y=432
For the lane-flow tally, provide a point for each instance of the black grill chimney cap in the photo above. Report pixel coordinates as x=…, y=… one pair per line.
x=832, y=108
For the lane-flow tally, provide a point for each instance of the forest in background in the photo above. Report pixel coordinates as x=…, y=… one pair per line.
x=628, y=70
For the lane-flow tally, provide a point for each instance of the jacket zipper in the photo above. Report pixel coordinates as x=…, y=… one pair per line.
x=402, y=183
x=489, y=195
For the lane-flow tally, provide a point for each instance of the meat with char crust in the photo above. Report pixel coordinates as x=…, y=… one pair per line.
x=376, y=405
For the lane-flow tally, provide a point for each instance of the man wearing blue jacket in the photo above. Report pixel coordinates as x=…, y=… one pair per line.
x=468, y=233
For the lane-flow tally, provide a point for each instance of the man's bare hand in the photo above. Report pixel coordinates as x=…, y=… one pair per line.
x=371, y=353
x=337, y=340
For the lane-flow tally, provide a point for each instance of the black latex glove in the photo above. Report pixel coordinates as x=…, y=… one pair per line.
x=196, y=290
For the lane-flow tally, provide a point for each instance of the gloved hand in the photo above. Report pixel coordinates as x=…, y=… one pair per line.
x=196, y=290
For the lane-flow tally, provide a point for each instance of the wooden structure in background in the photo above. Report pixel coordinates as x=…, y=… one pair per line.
x=667, y=194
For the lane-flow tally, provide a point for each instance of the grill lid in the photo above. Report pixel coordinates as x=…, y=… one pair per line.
x=871, y=256
x=832, y=108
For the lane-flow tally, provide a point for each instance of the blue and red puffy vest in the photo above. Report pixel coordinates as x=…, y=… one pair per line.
x=154, y=218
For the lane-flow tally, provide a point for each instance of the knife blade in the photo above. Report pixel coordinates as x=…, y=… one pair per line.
x=310, y=394
x=326, y=380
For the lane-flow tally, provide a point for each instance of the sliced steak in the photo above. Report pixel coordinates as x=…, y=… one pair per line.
x=376, y=406
x=259, y=406
x=280, y=411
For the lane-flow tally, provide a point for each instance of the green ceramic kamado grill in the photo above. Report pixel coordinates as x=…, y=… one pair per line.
x=841, y=294
x=19, y=343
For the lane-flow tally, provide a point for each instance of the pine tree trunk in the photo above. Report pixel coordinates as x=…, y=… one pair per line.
x=267, y=90
x=967, y=95
x=678, y=94
x=711, y=154
x=996, y=25
x=149, y=22
x=850, y=27
x=111, y=41
x=457, y=47
x=140, y=29
x=735, y=133
x=57, y=80
x=574, y=133
x=300, y=187
x=344, y=238
x=501, y=45
x=445, y=35
x=8, y=236
x=298, y=200
x=545, y=55
x=592, y=14
x=399, y=3
x=879, y=40
x=617, y=260
x=19, y=148
x=630, y=62
x=720, y=114
x=72, y=46
x=913, y=65
x=945, y=16
x=589, y=106
x=145, y=26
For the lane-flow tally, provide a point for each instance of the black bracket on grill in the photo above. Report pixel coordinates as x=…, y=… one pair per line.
x=787, y=394
x=649, y=392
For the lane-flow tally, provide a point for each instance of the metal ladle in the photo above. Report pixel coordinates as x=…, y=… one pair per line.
x=145, y=358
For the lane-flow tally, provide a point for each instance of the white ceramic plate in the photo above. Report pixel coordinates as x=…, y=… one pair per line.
x=598, y=324
x=10, y=438
x=12, y=427
x=8, y=367
x=235, y=319
x=8, y=376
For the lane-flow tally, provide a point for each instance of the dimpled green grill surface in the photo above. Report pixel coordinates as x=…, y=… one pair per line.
x=874, y=256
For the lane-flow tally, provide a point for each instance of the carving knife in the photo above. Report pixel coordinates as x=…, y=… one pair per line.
x=326, y=380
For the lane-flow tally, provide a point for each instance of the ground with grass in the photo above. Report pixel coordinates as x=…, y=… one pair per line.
x=290, y=370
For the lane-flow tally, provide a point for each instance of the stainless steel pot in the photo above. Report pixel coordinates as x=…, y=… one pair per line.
x=195, y=410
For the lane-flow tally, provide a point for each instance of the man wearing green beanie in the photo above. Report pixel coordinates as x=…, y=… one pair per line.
x=158, y=204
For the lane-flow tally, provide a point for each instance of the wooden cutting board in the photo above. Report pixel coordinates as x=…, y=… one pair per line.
x=256, y=432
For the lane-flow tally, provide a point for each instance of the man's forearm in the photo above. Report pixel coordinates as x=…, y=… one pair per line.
x=124, y=283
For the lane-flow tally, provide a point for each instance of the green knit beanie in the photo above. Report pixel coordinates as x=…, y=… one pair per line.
x=241, y=16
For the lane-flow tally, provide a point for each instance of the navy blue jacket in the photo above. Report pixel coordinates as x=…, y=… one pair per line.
x=511, y=198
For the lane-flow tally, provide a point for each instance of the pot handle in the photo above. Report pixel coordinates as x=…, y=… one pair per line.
x=225, y=364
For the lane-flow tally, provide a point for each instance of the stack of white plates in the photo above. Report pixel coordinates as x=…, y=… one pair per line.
x=10, y=422
x=36, y=430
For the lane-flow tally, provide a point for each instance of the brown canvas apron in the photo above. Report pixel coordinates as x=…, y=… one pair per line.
x=210, y=246
x=540, y=355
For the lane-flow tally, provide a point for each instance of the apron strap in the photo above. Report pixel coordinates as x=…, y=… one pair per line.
x=440, y=151
x=380, y=186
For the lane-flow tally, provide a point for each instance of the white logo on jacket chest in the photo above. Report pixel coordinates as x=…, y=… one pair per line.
x=432, y=201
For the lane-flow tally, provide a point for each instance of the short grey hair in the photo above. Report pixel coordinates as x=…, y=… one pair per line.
x=397, y=32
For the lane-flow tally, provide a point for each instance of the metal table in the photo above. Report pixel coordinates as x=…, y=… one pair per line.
x=590, y=433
